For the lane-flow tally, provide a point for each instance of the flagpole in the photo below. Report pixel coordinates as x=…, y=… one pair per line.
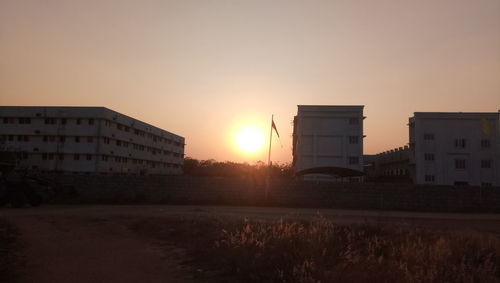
x=270, y=141
x=268, y=177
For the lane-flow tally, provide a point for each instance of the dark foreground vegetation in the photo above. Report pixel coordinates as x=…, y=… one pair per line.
x=321, y=251
x=10, y=260
x=195, y=167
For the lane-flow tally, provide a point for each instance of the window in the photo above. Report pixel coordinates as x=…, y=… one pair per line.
x=51, y=156
x=89, y=156
x=352, y=159
x=5, y=120
x=62, y=139
x=45, y=138
x=26, y=138
x=461, y=183
x=459, y=163
x=119, y=126
x=50, y=121
x=76, y=157
x=63, y=121
x=353, y=121
x=118, y=142
x=429, y=156
x=106, y=140
x=486, y=163
x=485, y=143
x=19, y=138
x=91, y=121
x=11, y=137
x=90, y=139
x=428, y=137
x=460, y=143
x=61, y=156
x=44, y=156
x=486, y=184
x=430, y=178
x=104, y=158
x=24, y=120
x=353, y=139
x=78, y=121
x=77, y=139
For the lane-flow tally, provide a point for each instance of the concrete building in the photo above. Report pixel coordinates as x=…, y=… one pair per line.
x=455, y=148
x=88, y=140
x=389, y=166
x=328, y=137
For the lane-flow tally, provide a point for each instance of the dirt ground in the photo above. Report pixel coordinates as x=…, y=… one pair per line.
x=94, y=243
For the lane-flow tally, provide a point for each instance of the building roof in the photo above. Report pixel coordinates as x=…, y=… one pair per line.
x=456, y=115
x=330, y=107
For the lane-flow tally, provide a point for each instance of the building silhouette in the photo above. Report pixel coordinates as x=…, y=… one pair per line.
x=328, y=139
x=88, y=140
x=455, y=148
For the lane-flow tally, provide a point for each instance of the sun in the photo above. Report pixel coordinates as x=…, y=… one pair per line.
x=250, y=139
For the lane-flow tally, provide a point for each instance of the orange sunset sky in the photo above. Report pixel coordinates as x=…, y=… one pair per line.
x=205, y=69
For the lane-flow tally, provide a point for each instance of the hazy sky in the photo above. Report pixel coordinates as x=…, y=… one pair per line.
x=202, y=69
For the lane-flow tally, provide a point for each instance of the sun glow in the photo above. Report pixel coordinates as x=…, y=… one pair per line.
x=250, y=139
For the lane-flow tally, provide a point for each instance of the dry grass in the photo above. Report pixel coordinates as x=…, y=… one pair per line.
x=10, y=260
x=321, y=251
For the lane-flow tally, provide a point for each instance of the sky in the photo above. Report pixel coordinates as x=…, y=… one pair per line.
x=205, y=69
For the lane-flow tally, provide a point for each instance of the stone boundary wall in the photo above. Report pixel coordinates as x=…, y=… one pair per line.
x=289, y=193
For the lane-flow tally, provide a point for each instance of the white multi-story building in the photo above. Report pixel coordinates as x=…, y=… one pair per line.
x=328, y=137
x=88, y=140
x=455, y=148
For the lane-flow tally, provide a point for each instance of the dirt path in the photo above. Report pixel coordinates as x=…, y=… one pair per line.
x=82, y=249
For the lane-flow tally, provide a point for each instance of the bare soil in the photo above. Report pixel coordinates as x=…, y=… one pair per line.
x=96, y=243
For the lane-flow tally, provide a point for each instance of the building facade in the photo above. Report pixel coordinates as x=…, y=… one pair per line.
x=88, y=140
x=328, y=136
x=455, y=148
x=389, y=166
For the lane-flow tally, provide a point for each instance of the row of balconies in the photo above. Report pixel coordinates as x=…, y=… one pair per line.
x=85, y=127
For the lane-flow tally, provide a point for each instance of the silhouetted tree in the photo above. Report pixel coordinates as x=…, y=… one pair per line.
x=190, y=164
x=212, y=167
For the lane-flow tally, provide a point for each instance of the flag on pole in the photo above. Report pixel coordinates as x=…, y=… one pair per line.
x=487, y=129
x=274, y=127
